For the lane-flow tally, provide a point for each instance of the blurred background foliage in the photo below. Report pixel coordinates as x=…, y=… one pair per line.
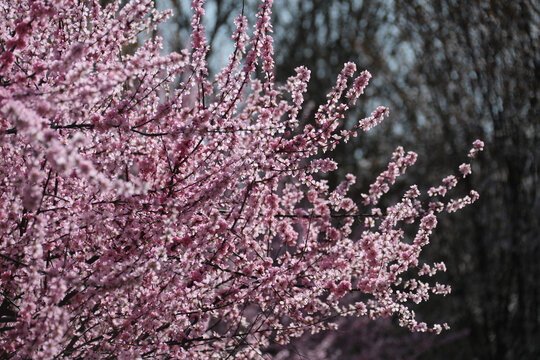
x=450, y=71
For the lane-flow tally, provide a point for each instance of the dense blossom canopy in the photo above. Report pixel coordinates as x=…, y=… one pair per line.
x=148, y=211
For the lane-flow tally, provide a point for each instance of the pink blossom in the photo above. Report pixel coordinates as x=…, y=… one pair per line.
x=341, y=289
x=478, y=145
x=375, y=119
x=360, y=83
x=141, y=200
x=465, y=169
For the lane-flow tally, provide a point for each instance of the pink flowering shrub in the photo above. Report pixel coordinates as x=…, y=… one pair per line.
x=148, y=211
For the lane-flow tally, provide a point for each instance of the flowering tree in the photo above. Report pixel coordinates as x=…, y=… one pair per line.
x=148, y=212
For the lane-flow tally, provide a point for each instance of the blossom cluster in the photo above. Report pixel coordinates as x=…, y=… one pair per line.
x=147, y=211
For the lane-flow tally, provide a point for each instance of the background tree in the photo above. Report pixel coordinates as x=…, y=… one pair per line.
x=453, y=72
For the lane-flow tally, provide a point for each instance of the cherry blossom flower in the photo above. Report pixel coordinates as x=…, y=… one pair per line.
x=148, y=211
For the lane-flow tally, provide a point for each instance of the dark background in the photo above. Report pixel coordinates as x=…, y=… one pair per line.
x=451, y=72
